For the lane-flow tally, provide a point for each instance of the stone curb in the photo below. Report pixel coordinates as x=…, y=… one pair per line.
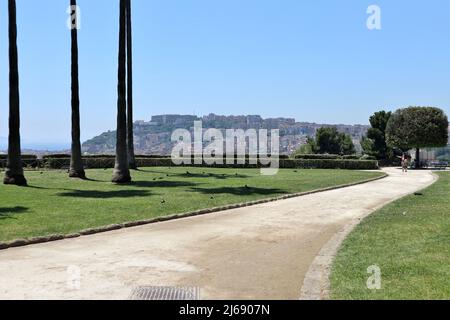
x=57, y=237
x=316, y=285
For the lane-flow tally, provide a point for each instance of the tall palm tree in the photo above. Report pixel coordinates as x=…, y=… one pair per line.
x=14, y=170
x=121, y=170
x=76, y=161
x=130, y=134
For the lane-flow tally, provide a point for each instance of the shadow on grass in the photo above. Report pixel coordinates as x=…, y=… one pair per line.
x=189, y=174
x=105, y=194
x=92, y=180
x=239, y=191
x=8, y=213
x=207, y=175
x=162, y=184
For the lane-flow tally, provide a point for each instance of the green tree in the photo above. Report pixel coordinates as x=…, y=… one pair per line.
x=308, y=148
x=417, y=128
x=328, y=140
x=14, y=170
x=76, y=162
x=374, y=144
x=121, y=169
x=130, y=133
x=346, y=144
x=368, y=146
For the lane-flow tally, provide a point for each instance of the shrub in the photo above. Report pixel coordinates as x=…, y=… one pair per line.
x=24, y=156
x=330, y=164
x=28, y=160
x=390, y=162
x=55, y=163
x=308, y=148
x=103, y=156
x=99, y=163
x=56, y=156
x=351, y=157
x=108, y=162
x=318, y=156
x=152, y=156
x=367, y=157
x=154, y=162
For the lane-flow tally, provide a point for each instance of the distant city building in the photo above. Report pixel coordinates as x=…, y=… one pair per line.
x=154, y=137
x=173, y=119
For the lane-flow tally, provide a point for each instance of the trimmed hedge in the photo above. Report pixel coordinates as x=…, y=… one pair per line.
x=100, y=163
x=24, y=156
x=56, y=156
x=351, y=157
x=28, y=160
x=89, y=163
x=330, y=164
x=318, y=156
x=367, y=157
x=333, y=157
x=103, y=156
x=390, y=163
x=62, y=161
x=111, y=156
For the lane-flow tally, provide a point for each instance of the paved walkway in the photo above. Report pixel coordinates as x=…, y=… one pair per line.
x=255, y=252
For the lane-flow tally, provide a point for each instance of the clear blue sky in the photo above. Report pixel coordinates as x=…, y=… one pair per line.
x=312, y=60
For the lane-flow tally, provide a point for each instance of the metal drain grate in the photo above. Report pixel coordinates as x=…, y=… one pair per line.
x=165, y=293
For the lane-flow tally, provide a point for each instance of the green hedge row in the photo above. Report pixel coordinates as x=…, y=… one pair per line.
x=103, y=156
x=97, y=163
x=109, y=156
x=330, y=164
x=333, y=157
x=351, y=157
x=28, y=161
x=318, y=156
x=24, y=157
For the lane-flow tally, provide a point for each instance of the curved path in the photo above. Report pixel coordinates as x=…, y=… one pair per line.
x=259, y=252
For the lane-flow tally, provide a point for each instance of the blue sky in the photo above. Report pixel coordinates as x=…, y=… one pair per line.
x=312, y=60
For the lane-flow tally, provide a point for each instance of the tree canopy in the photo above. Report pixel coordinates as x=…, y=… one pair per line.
x=329, y=140
x=374, y=144
x=308, y=148
x=417, y=128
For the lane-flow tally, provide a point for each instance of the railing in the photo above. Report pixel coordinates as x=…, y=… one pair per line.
x=441, y=165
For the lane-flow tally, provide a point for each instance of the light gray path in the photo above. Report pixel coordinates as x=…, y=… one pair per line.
x=259, y=252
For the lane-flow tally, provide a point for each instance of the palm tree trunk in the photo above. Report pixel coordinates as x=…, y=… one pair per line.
x=14, y=170
x=130, y=134
x=121, y=170
x=76, y=161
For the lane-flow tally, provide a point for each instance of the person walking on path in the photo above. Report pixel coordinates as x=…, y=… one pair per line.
x=405, y=163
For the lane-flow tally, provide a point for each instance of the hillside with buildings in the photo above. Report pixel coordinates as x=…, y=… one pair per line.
x=153, y=137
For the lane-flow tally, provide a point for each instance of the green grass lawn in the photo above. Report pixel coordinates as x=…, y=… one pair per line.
x=54, y=204
x=410, y=242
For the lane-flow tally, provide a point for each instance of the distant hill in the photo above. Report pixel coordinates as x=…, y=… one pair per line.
x=153, y=137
